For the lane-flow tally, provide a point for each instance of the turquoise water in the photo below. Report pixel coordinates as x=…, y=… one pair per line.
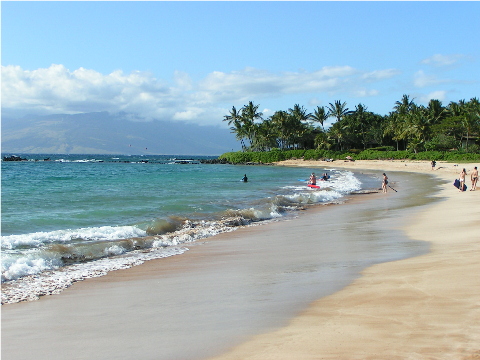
x=83, y=216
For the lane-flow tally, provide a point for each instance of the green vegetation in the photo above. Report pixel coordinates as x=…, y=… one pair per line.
x=410, y=131
x=265, y=157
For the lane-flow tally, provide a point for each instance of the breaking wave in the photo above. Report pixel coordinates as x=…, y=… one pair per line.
x=43, y=263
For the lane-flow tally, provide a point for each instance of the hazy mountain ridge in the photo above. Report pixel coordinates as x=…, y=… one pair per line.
x=105, y=133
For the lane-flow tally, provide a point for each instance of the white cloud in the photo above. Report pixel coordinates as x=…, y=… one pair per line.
x=422, y=80
x=183, y=80
x=442, y=60
x=190, y=114
x=437, y=95
x=381, y=74
x=365, y=92
x=56, y=89
x=59, y=90
x=267, y=112
x=253, y=83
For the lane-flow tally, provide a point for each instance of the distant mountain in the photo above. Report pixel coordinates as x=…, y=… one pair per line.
x=105, y=133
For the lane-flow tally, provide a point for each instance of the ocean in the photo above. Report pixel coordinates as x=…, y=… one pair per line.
x=73, y=217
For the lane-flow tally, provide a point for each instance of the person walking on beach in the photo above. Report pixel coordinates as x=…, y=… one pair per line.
x=462, y=179
x=384, y=183
x=433, y=164
x=474, y=178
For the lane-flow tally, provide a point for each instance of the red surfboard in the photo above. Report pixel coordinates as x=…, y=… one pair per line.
x=313, y=186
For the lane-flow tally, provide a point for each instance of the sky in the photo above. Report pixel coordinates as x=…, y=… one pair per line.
x=193, y=61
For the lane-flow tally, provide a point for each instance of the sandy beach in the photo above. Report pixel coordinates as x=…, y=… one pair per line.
x=422, y=307
x=426, y=307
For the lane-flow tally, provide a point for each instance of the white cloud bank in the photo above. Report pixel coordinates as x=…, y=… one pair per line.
x=443, y=60
x=59, y=90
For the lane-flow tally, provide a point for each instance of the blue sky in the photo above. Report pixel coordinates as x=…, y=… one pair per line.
x=193, y=61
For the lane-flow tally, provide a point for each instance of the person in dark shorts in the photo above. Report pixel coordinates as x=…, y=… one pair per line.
x=474, y=178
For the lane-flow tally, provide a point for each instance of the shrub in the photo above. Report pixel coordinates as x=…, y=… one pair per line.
x=369, y=154
x=383, y=148
x=291, y=154
x=355, y=151
x=442, y=142
x=311, y=155
x=428, y=155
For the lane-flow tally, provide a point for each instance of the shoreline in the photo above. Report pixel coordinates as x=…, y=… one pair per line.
x=443, y=169
x=425, y=307
x=328, y=319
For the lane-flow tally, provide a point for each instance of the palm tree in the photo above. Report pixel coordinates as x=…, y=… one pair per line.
x=265, y=136
x=235, y=120
x=338, y=110
x=471, y=120
x=280, y=121
x=455, y=109
x=418, y=127
x=468, y=114
x=436, y=112
x=250, y=114
x=338, y=131
x=399, y=119
x=232, y=116
x=404, y=106
x=323, y=141
x=360, y=115
x=319, y=115
x=394, y=126
x=299, y=113
x=297, y=124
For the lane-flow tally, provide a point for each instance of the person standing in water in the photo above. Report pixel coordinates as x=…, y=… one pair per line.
x=384, y=183
x=245, y=179
x=313, y=179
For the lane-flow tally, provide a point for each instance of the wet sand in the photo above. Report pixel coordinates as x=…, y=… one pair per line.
x=235, y=291
x=426, y=307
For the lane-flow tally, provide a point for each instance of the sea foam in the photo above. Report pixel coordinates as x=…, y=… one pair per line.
x=28, y=279
x=39, y=239
x=35, y=264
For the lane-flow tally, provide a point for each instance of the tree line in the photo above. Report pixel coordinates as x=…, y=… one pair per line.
x=408, y=126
